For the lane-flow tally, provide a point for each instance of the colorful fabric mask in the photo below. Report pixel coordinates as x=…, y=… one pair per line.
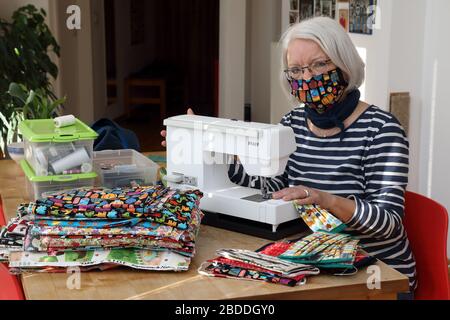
x=324, y=250
x=319, y=219
x=320, y=92
x=247, y=272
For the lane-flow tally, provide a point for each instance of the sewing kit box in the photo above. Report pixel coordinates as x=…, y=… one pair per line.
x=124, y=168
x=57, y=158
x=50, y=150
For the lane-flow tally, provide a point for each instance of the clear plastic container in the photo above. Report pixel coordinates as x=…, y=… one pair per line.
x=124, y=168
x=38, y=186
x=58, y=151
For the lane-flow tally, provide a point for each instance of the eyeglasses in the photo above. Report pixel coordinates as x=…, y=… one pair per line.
x=316, y=68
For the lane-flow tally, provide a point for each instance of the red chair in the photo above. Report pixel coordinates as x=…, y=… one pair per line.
x=11, y=288
x=426, y=223
x=2, y=214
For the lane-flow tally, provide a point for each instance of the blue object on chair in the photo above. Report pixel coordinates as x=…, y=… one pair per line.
x=111, y=136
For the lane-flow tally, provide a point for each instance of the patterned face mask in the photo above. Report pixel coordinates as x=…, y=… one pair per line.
x=320, y=92
x=319, y=219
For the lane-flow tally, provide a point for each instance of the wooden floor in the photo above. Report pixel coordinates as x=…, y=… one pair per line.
x=145, y=122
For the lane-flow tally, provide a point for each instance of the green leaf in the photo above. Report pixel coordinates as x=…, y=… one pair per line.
x=15, y=90
x=31, y=97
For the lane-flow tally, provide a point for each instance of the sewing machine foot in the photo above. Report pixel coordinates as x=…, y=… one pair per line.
x=275, y=227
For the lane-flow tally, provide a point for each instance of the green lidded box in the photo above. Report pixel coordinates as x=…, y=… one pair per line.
x=58, y=151
x=38, y=186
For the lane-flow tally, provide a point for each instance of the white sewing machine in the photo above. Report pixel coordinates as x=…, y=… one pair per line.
x=199, y=150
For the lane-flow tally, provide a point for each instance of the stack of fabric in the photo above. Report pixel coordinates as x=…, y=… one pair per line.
x=257, y=266
x=324, y=250
x=290, y=262
x=151, y=228
x=11, y=237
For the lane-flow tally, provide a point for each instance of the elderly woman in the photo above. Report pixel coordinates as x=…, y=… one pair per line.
x=351, y=157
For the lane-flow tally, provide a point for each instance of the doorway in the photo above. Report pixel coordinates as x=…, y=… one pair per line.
x=152, y=42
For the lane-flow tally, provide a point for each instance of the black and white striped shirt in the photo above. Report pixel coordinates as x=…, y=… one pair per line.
x=369, y=165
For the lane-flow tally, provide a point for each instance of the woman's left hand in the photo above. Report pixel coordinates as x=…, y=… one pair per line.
x=304, y=195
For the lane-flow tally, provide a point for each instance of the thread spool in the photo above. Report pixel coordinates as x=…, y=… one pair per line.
x=39, y=154
x=86, y=167
x=75, y=159
x=59, y=151
x=42, y=172
x=40, y=163
x=72, y=171
x=64, y=121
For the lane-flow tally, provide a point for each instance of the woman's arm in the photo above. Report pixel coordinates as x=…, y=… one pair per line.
x=380, y=211
x=386, y=165
x=342, y=208
x=237, y=175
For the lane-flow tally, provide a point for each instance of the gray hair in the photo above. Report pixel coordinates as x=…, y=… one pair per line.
x=334, y=41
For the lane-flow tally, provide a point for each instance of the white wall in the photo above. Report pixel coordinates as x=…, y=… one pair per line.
x=279, y=102
x=377, y=48
x=247, y=30
x=82, y=63
x=232, y=45
x=406, y=58
x=264, y=25
x=435, y=155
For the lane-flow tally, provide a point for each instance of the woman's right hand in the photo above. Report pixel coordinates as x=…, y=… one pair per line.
x=163, y=132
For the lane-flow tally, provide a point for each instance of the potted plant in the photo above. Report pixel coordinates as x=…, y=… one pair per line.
x=34, y=104
x=25, y=46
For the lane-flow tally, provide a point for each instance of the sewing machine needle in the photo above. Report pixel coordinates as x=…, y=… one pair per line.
x=265, y=195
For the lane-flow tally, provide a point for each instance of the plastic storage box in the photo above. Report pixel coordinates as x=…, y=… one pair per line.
x=123, y=168
x=58, y=151
x=39, y=186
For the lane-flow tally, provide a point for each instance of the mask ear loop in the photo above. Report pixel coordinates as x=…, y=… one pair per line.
x=355, y=271
x=302, y=282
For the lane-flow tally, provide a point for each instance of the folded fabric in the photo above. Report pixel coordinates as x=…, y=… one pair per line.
x=250, y=265
x=12, y=235
x=154, y=203
x=50, y=243
x=275, y=249
x=221, y=270
x=274, y=264
x=319, y=219
x=99, y=267
x=110, y=227
x=4, y=254
x=138, y=259
x=324, y=250
x=150, y=228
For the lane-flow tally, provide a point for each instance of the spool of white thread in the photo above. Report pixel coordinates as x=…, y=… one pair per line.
x=70, y=161
x=64, y=121
x=41, y=163
x=86, y=167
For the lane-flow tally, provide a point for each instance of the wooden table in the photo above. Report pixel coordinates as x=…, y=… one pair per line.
x=126, y=283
